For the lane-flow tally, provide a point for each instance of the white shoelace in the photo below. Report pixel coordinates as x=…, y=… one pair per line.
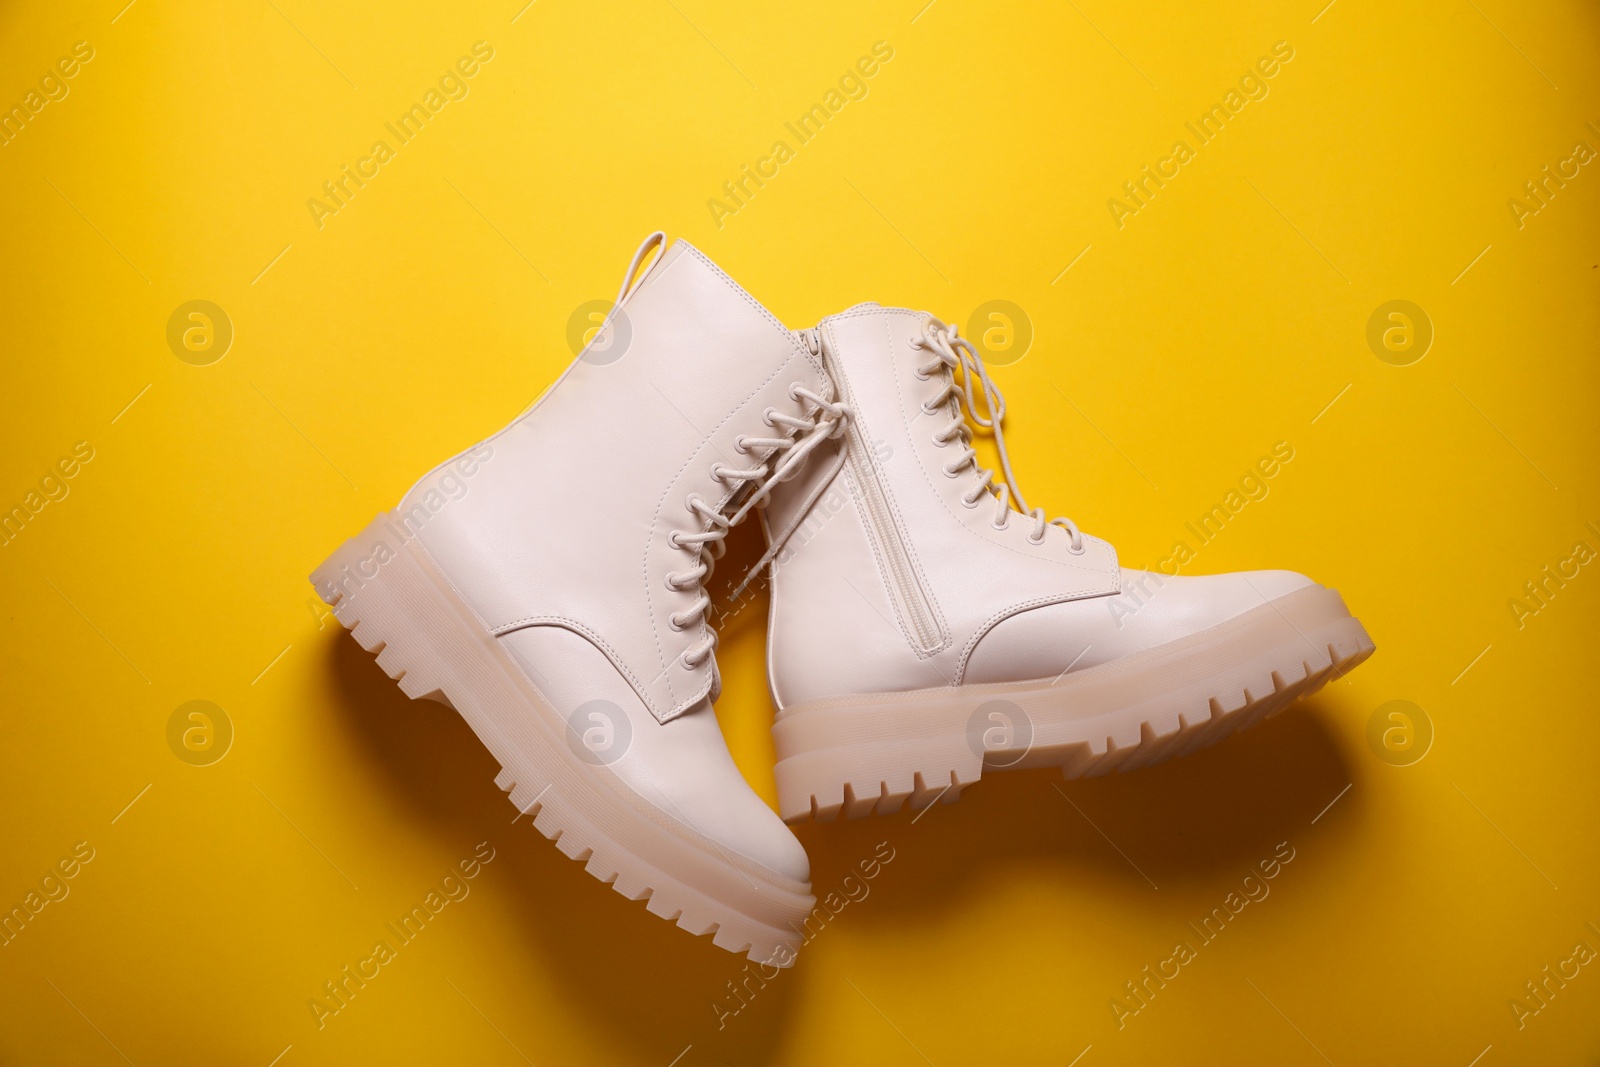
x=797, y=439
x=955, y=352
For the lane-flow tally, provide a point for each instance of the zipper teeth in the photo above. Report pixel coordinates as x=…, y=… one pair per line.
x=912, y=602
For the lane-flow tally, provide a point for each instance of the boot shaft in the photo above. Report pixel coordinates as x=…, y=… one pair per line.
x=570, y=516
x=901, y=567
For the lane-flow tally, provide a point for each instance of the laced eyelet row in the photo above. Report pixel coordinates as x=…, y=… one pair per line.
x=799, y=436
x=955, y=353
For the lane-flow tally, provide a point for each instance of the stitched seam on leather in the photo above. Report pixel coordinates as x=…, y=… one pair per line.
x=1008, y=612
x=736, y=287
x=539, y=401
x=885, y=572
x=716, y=270
x=861, y=313
x=900, y=523
x=1113, y=573
x=584, y=631
x=655, y=521
x=877, y=559
x=927, y=478
x=689, y=702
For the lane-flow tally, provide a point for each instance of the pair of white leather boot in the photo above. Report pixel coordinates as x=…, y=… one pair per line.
x=550, y=585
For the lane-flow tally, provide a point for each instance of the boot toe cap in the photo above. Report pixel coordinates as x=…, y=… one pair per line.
x=701, y=788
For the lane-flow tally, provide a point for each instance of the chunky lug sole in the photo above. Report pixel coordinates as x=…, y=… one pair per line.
x=859, y=755
x=387, y=591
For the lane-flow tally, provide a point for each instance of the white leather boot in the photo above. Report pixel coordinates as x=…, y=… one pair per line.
x=548, y=583
x=922, y=630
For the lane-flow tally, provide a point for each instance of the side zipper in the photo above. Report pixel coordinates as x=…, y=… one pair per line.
x=911, y=601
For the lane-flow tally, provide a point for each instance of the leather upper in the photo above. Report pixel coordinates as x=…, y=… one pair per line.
x=570, y=524
x=1006, y=609
x=683, y=769
x=836, y=627
x=1149, y=610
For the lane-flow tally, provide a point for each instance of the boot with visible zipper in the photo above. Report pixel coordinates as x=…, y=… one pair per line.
x=926, y=625
x=549, y=584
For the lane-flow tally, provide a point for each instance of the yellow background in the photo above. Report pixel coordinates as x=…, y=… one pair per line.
x=1225, y=316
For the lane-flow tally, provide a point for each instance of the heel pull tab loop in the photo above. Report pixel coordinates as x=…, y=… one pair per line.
x=654, y=241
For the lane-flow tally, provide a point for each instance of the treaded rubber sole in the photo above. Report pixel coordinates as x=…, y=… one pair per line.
x=386, y=590
x=859, y=755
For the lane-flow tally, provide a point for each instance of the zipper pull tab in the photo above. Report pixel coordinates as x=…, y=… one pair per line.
x=813, y=340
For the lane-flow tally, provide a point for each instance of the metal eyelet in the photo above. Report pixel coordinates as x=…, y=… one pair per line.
x=1077, y=550
x=920, y=376
x=739, y=445
x=684, y=659
x=1000, y=525
x=766, y=416
x=672, y=539
x=968, y=504
x=794, y=392
x=672, y=621
x=1032, y=540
